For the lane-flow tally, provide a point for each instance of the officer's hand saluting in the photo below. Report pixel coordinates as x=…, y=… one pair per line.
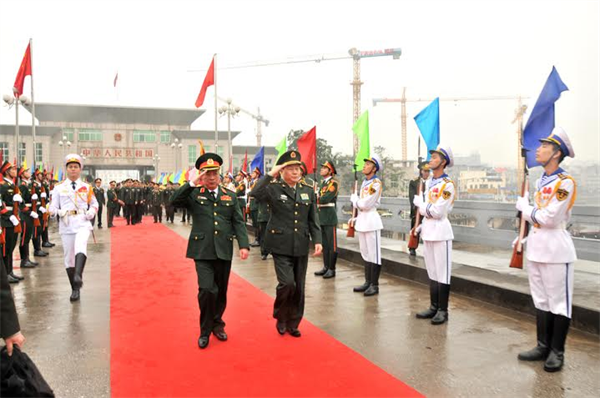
x=198, y=180
x=276, y=170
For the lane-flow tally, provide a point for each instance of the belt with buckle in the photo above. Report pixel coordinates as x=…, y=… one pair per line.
x=327, y=205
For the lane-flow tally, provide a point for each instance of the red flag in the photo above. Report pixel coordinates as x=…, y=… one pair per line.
x=245, y=165
x=209, y=80
x=307, y=146
x=24, y=70
x=202, y=150
x=115, y=81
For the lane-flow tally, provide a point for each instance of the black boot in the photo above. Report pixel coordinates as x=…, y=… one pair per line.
x=365, y=286
x=329, y=274
x=74, y=291
x=434, y=296
x=540, y=352
x=80, y=259
x=556, y=358
x=321, y=272
x=25, y=261
x=331, y=269
x=374, y=286
x=442, y=314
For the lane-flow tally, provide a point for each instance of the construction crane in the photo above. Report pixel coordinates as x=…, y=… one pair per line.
x=403, y=100
x=260, y=120
x=356, y=83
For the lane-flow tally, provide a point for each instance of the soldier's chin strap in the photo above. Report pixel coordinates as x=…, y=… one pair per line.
x=551, y=157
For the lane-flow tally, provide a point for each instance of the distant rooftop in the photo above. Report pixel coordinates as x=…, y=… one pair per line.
x=74, y=113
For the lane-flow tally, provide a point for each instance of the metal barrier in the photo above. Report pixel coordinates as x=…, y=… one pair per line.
x=485, y=223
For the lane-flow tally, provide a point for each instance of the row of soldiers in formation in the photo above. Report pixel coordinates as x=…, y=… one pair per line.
x=294, y=213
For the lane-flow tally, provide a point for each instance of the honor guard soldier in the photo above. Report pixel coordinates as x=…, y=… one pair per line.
x=75, y=204
x=217, y=221
x=47, y=186
x=112, y=204
x=294, y=220
x=328, y=218
x=550, y=251
x=240, y=190
x=10, y=218
x=40, y=203
x=368, y=224
x=253, y=206
x=437, y=234
x=100, y=198
x=413, y=189
x=27, y=216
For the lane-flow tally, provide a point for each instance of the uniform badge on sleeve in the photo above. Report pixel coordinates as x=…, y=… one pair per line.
x=371, y=191
x=446, y=195
x=562, y=194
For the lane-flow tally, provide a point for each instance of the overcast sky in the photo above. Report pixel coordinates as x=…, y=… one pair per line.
x=450, y=49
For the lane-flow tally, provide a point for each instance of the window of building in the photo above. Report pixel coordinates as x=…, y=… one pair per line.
x=192, y=154
x=38, y=153
x=22, y=151
x=69, y=134
x=89, y=135
x=165, y=137
x=220, y=151
x=4, y=149
x=144, y=136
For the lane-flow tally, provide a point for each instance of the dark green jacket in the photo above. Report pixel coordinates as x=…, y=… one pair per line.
x=111, y=195
x=294, y=219
x=327, y=202
x=240, y=191
x=7, y=191
x=264, y=211
x=99, y=193
x=156, y=198
x=26, y=204
x=216, y=222
x=127, y=195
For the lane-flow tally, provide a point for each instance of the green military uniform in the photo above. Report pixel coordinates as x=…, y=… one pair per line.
x=294, y=221
x=128, y=197
x=36, y=188
x=217, y=221
x=169, y=208
x=264, y=213
x=240, y=192
x=46, y=218
x=111, y=206
x=27, y=227
x=328, y=194
x=7, y=192
x=99, y=193
x=156, y=202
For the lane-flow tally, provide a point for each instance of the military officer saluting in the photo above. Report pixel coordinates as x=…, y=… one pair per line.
x=328, y=218
x=217, y=221
x=550, y=251
x=437, y=234
x=293, y=221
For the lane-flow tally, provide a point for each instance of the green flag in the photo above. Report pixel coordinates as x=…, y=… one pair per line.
x=361, y=129
x=281, y=147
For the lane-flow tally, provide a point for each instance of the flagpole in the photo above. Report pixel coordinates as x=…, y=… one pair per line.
x=216, y=118
x=32, y=101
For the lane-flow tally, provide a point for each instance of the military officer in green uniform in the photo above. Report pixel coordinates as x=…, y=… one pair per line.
x=27, y=217
x=112, y=204
x=217, y=221
x=169, y=208
x=99, y=193
x=328, y=217
x=156, y=202
x=252, y=206
x=294, y=221
x=128, y=198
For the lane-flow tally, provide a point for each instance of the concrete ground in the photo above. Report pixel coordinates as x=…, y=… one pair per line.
x=473, y=355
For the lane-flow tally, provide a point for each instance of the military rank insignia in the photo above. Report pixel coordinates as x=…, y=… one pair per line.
x=225, y=197
x=446, y=195
x=562, y=194
x=371, y=191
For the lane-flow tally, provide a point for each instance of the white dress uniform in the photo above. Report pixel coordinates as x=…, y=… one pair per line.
x=368, y=223
x=436, y=230
x=550, y=257
x=75, y=204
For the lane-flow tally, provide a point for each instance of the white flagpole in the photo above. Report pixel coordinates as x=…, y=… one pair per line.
x=215, y=77
x=32, y=103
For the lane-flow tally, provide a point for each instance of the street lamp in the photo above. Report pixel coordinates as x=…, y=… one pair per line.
x=230, y=110
x=13, y=100
x=155, y=161
x=174, y=145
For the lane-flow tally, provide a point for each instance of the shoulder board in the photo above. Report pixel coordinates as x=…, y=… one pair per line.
x=305, y=184
x=276, y=181
x=227, y=190
x=447, y=180
x=376, y=180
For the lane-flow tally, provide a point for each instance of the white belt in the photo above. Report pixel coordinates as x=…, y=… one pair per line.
x=9, y=207
x=27, y=204
x=327, y=205
x=562, y=225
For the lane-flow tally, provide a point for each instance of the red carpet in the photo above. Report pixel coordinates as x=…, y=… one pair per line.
x=154, y=333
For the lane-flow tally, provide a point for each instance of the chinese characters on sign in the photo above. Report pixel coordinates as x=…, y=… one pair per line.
x=118, y=153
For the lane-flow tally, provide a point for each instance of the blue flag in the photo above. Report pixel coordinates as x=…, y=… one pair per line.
x=428, y=121
x=541, y=120
x=60, y=175
x=259, y=161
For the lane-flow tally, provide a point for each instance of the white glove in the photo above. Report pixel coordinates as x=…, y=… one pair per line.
x=418, y=200
x=62, y=213
x=514, y=242
x=354, y=198
x=13, y=219
x=34, y=196
x=418, y=230
x=34, y=215
x=43, y=195
x=42, y=210
x=90, y=214
x=17, y=198
x=523, y=202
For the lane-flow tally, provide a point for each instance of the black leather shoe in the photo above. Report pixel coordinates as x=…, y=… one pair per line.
x=47, y=244
x=28, y=264
x=539, y=353
x=220, y=335
x=428, y=313
x=40, y=253
x=254, y=244
x=280, y=327
x=74, y=295
x=555, y=361
x=264, y=257
x=12, y=279
x=440, y=318
x=412, y=252
x=203, y=341
x=329, y=274
x=17, y=277
x=372, y=291
x=294, y=332
x=321, y=272
x=362, y=288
